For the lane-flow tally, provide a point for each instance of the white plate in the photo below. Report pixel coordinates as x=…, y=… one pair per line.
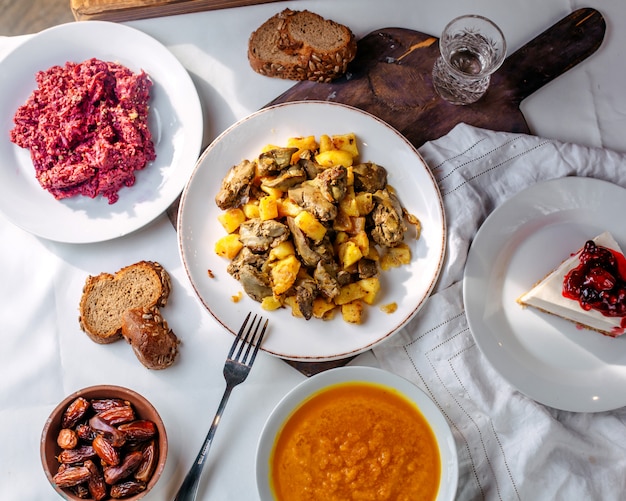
x=175, y=121
x=294, y=338
x=291, y=401
x=545, y=357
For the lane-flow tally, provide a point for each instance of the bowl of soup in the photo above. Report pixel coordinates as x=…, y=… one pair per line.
x=356, y=433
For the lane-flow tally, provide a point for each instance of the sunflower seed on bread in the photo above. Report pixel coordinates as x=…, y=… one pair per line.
x=107, y=296
x=301, y=45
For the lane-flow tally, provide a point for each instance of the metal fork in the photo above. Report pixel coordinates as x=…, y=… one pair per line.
x=236, y=371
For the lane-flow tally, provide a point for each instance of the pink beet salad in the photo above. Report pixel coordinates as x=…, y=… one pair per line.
x=86, y=128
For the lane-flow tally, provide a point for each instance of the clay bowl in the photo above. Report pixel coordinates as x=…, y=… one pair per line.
x=49, y=448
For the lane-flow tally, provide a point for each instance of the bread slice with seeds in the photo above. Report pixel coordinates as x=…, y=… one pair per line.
x=154, y=343
x=107, y=296
x=301, y=45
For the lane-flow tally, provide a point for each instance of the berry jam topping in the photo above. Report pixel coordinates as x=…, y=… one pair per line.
x=599, y=281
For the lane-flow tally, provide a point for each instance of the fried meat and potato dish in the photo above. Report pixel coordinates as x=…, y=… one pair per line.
x=310, y=227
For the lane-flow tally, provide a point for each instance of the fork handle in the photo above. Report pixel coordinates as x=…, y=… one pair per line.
x=189, y=488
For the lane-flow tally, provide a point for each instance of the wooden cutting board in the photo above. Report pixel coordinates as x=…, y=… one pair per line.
x=391, y=78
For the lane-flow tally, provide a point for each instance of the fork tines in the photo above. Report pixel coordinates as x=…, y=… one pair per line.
x=252, y=337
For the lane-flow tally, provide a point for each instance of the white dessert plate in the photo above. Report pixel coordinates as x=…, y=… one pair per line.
x=296, y=397
x=545, y=357
x=175, y=121
x=290, y=337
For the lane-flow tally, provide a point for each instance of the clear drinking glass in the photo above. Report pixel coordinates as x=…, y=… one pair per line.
x=472, y=47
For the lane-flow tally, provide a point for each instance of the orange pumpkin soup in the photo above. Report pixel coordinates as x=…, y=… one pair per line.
x=356, y=441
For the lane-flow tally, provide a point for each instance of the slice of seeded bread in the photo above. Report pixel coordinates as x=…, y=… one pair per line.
x=106, y=297
x=301, y=45
x=154, y=343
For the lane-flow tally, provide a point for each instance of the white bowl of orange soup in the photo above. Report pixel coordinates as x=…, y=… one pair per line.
x=356, y=433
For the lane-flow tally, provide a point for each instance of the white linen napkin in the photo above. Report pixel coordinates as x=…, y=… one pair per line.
x=510, y=447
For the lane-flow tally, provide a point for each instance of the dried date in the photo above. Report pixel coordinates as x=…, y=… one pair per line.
x=113, y=474
x=103, y=404
x=125, y=489
x=115, y=436
x=67, y=439
x=148, y=463
x=96, y=485
x=85, y=432
x=71, y=476
x=117, y=415
x=75, y=412
x=78, y=455
x=105, y=450
x=138, y=430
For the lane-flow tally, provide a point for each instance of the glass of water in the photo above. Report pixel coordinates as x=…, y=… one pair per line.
x=472, y=47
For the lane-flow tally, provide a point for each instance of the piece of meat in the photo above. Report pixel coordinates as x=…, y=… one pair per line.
x=308, y=256
x=389, y=227
x=273, y=161
x=235, y=185
x=333, y=183
x=260, y=236
x=367, y=268
x=250, y=270
x=369, y=177
x=325, y=275
x=306, y=292
x=286, y=178
x=309, y=196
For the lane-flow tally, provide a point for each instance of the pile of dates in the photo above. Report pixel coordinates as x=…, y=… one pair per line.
x=107, y=451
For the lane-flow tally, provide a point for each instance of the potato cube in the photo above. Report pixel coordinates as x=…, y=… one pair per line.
x=323, y=308
x=349, y=253
x=231, y=219
x=326, y=143
x=352, y=312
x=396, y=256
x=372, y=286
x=284, y=273
x=271, y=303
x=346, y=142
x=302, y=143
x=362, y=241
x=281, y=251
x=268, y=208
x=275, y=193
x=228, y=246
x=349, y=293
x=334, y=158
x=349, y=204
x=311, y=227
x=287, y=207
x=364, y=202
x=251, y=210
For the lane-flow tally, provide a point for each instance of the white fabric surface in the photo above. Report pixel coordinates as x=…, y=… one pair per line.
x=509, y=446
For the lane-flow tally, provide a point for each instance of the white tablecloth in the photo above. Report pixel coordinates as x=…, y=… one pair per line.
x=44, y=355
x=510, y=447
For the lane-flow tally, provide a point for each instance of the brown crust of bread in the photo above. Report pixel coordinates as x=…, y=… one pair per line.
x=154, y=343
x=273, y=51
x=107, y=296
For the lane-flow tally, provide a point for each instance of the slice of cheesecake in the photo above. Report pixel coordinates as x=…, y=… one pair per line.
x=588, y=288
